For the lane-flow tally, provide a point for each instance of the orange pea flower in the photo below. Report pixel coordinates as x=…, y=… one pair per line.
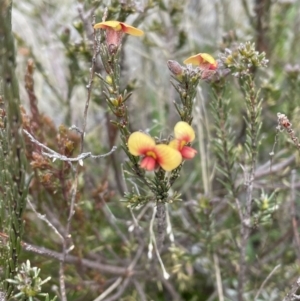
x=115, y=29
x=119, y=26
x=154, y=155
x=184, y=134
x=203, y=60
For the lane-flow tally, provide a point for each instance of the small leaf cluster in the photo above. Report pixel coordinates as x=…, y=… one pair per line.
x=28, y=283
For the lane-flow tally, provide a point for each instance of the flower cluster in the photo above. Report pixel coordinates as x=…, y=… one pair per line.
x=207, y=67
x=243, y=59
x=168, y=157
x=154, y=155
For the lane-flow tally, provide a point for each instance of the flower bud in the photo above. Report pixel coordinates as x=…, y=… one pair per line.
x=175, y=68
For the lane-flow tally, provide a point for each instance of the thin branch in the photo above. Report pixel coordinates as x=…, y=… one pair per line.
x=109, y=290
x=90, y=84
x=138, y=255
x=239, y=209
x=92, y=264
x=45, y=219
x=218, y=277
x=53, y=218
x=265, y=169
x=54, y=155
x=112, y=220
x=62, y=284
x=265, y=281
x=175, y=296
x=140, y=290
x=119, y=281
x=121, y=290
x=153, y=244
x=291, y=294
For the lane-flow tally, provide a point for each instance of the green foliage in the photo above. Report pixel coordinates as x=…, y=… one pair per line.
x=28, y=283
x=221, y=226
x=13, y=191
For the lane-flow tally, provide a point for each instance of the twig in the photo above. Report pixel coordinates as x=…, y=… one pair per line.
x=239, y=209
x=140, y=290
x=218, y=277
x=120, y=292
x=266, y=169
x=110, y=289
x=90, y=84
x=44, y=218
x=62, y=284
x=53, y=218
x=170, y=288
x=76, y=129
x=120, y=279
x=291, y=294
x=112, y=220
x=138, y=254
x=135, y=223
x=153, y=244
x=265, y=281
x=85, y=17
x=54, y=155
x=92, y=264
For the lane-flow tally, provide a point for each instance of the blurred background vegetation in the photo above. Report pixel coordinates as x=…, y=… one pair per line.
x=53, y=41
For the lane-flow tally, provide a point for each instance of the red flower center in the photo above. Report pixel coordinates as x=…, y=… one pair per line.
x=148, y=163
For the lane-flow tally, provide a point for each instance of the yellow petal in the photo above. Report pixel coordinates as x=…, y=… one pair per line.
x=183, y=131
x=200, y=59
x=131, y=30
x=175, y=144
x=140, y=143
x=116, y=25
x=167, y=157
x=207, y=58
